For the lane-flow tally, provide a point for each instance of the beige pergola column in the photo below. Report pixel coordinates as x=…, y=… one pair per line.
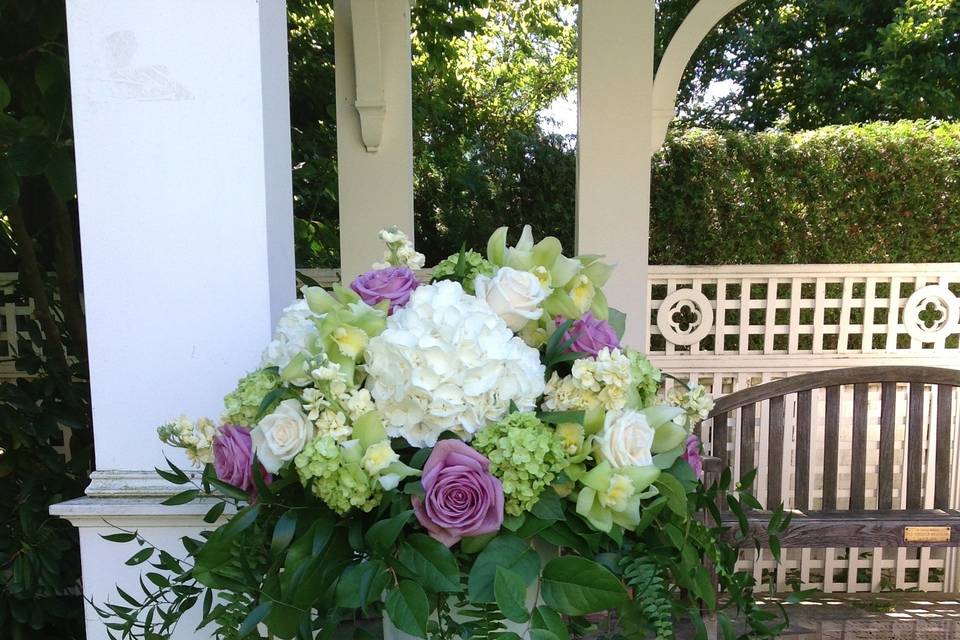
x=374, y=126
x=624, y=112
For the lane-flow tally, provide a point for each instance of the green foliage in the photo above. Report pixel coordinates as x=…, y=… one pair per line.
x=39, y=559
x=865, y=193
x=804, y=65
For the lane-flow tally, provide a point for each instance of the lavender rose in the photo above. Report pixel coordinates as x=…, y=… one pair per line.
x=462, y=498
x=233, y=458
x=692, y=455
x=394, y=284
x=590, y=335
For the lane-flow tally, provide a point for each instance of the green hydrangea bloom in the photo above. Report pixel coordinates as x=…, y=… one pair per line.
x=336, y=477
x=243, y=403
x=647, y=376
x=525, y=454
x=477, y=265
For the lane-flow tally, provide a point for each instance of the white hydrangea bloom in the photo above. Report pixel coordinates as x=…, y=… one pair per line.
x=295, y=333
x=447, y=362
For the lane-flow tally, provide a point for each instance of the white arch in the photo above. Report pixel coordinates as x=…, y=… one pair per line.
x=694, y=28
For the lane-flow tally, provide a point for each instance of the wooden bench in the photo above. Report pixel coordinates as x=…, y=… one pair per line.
x=917, y=518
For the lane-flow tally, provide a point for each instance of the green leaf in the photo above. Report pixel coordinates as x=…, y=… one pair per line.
x=254, y=618
x=228, y=489
x=671, y=489
x=240, y=522
x=61, y=173
x=549, y=506
x=361, y=584
x=140, y=557
x=30, y=156
x=9, y=185
x=703, y=587
x=431, y=562
x=215, y=512
x=502, y=551
x=4, y=95
x=120, y=537
x=408, y=608
x=172, y=478
x=383, y=534
x=511, y=595
x=158, y=579
x=576, y=586
x=559, y=417
x=546, y=618
x=283, y=533
x=475, y=544
x=543, y=634
x=618, y=320
x=181, y=498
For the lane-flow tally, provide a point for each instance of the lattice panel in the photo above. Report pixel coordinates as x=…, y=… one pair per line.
x=804, y=309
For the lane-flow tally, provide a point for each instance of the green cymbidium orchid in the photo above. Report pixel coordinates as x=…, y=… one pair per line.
x=612, y=496
x=575, y=282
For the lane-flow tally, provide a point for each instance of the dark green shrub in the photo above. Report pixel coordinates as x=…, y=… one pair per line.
x=862, y=193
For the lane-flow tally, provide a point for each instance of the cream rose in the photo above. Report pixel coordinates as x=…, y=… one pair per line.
x=280, y=436
x=513, y=295
x=626, y=439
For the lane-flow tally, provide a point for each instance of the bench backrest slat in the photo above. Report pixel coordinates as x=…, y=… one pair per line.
x=915, y=447
x=868, y=385
x=801, y=490
x=888, y=432
x=775, y=451
x=831, y=448
x=720, y=438
x=748, y=437
x=858, y=443
x=941, y=499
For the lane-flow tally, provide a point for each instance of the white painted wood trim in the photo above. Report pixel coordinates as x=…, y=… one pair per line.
x=702, y=18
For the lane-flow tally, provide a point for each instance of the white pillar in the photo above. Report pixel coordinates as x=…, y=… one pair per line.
x=613, y=148
x=181, y=117
x=374, y=126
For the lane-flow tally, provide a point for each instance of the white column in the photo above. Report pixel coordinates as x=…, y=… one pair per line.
x=374, y=126
x=613, y=148
x=181, y=116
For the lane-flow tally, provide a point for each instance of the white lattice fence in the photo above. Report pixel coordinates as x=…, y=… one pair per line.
x=733, y=327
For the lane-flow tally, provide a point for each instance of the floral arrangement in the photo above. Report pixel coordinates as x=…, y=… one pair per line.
x=477, y=456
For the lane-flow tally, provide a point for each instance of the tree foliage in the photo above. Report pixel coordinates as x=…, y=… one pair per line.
x=803, y=65
x=39, y=465
x=483, y=71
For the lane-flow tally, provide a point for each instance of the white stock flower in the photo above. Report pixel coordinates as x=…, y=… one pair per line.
x=334, y=424
x=280, y=436
x=626, y=439
x=447, y=362
x=513, y=295
x=296, y=332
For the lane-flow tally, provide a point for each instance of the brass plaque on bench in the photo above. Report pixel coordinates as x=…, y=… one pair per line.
x=926, y=534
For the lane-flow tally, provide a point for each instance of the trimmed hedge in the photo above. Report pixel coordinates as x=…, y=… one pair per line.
x=863, y=193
